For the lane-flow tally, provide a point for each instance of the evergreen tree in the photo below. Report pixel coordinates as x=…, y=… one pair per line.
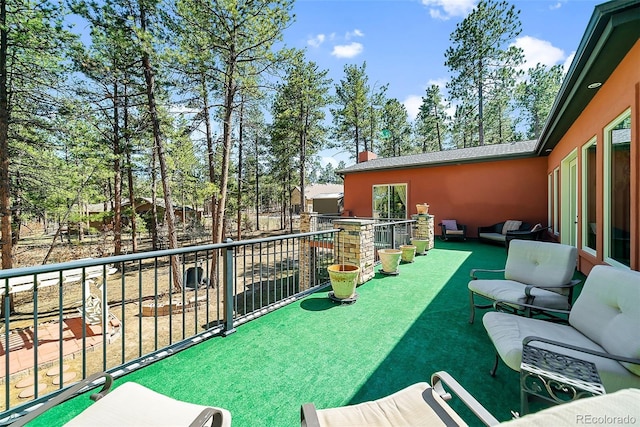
x=482, y=56
x=350, y=116
x=397, y=130
x=431, y=122
x=535, y=96
x=299, y=112
x=33, y=45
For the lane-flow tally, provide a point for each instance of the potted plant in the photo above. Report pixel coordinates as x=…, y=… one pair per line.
x=390, y=259
x=423, y=208
x=421, y=245
x=408, y=252
x=344, y=278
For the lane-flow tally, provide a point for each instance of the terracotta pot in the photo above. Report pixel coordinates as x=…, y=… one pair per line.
x=408, y=252
x=422, y=208
x=390, y=259
x=344, y=278
x=421, y=245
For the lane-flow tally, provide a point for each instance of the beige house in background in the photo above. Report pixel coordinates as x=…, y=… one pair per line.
x=316, y=191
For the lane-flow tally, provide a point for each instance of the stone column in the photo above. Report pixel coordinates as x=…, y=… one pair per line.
x=425, y=228
x=354, y=245
x=307, y=252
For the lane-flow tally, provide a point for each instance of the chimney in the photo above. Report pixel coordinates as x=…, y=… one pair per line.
x=365, y=156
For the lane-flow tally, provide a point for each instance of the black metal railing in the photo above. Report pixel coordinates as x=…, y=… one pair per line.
x=74, y=319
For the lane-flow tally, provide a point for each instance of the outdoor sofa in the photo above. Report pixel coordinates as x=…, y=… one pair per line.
x=503, y=232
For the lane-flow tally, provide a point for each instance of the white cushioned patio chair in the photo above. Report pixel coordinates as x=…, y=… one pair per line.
x=131, y=405
x=604, y=328
x=423, y=405
x=536, y=273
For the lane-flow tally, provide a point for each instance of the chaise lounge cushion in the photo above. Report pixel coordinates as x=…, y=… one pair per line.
x=134, y=405
x=620, y=408
x=405, y=407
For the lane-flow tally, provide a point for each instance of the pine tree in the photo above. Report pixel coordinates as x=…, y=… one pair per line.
x=430, y=126
x=536, y=94
x=482, y=55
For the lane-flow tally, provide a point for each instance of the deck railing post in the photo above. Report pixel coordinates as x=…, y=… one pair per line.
x=227, y=279
x=356, y=245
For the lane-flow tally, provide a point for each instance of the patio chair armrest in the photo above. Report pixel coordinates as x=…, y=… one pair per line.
x=616, y=357
x=440, y=377
x=208, y=413
x=78, y=388
x=497, y=305
x=571, y=284
x=473, y=272
x=309, y=416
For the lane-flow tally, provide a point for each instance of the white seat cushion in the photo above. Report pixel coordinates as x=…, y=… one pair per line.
x=608, y=311
x=407, y=407
x=540, y=263
x=493, y=236
x=458, y=232
x=514, y=292
x=507, y=331
x=134, y=405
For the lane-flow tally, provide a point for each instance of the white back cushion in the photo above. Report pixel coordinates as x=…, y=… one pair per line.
x=540, y=263
x=608, y=311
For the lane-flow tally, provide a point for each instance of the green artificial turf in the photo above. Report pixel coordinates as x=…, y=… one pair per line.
x=401, y=330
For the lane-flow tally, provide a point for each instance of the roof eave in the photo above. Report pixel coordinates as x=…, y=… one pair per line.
x=610, y=34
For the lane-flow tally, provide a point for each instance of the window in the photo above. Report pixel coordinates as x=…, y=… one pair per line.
x=589, y=220
x=550, y=199
x=390, y=201
x=617, y=188
x=556, y=190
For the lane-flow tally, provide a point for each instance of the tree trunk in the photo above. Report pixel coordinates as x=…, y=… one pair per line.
x=132, y=201
x=5, y=200
x=158, y=143
x=230, y=91
x=239, y=193
x=117, y=175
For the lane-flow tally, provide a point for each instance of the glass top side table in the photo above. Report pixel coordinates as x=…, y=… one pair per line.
x=555, y=377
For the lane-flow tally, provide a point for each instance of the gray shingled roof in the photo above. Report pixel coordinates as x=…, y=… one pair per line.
x=460, y=155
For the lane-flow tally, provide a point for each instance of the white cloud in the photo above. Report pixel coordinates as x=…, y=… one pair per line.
x=316, y=41
x=538, y=51
x=555, y=6
x=412, y=103
x=441, y=83
x=354, y=33
x=324, y=161
x=347, y=50
x=568, y=61
x=445, y=9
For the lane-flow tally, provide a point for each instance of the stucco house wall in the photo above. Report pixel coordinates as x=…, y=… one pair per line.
x=620, y=92
x=475, y=194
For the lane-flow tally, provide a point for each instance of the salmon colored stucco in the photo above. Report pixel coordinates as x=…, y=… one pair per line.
x=618, y=94
x=476, y=194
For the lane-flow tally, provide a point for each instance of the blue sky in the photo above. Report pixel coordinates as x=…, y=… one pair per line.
x=403, y=41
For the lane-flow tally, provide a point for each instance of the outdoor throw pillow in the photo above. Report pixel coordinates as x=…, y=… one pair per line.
x=450, y=224
x=511, y=225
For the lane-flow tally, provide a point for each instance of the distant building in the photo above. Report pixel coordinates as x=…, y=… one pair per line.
x=326, y=197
